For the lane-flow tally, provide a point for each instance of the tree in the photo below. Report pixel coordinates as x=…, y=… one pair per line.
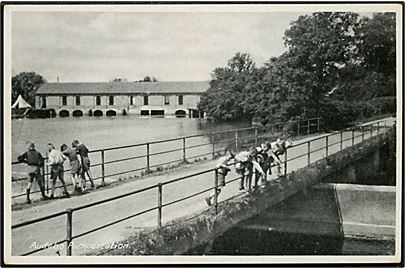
x=319, y=45
x=337, y=64
x=376, y=44
x=26, y=84
x=226, y=97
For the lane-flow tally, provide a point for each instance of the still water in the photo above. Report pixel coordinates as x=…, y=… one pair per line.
x=104, y=132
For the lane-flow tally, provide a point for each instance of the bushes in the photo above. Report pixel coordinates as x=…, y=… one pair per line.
x=337, y=114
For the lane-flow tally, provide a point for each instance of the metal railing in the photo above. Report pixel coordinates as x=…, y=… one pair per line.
x=159, y=187
x=234, y=137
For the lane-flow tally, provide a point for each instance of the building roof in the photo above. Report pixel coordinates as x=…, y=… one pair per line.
x=124, y=88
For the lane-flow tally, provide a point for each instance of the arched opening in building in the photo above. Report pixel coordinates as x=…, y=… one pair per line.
x=180, y=113
x=77, y=113
x=52, y=113
x=64, y=113
x=111, y=113
x=98, y=113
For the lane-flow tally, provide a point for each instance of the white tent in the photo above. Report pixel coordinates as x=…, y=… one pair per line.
x=20, y=103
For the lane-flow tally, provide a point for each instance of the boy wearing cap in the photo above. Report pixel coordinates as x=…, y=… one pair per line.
x=35, y=161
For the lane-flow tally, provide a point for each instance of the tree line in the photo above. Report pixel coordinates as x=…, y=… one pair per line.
x=337, y=65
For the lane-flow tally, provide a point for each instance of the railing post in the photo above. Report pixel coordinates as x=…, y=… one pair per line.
x=318, y=124
x=327, y=145
x=341, y=140
x=309, y=152
x=256, y=138
x=362, y=133
x=102, y=168
x=378, y=128
x=385, y=125
x=352, y=137
x=213, y=145
x=160, y=193
x=371, y=130
x=46, y=173
x=298, y=128
x=308, y=128
x=43, y=178
x=69, y=231
x=184, y=149
x=236, y=140
x=147, y=158
x=216, y=190
x=285, y=163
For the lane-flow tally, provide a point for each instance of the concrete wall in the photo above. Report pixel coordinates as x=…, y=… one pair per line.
x=325, y=219
x=187, y=233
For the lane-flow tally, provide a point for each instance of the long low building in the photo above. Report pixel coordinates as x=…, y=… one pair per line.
x=115, y=98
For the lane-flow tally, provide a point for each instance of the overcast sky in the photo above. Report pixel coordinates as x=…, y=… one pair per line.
x=89, y=46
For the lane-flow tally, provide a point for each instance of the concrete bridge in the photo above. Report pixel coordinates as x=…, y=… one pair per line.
x=184, y=220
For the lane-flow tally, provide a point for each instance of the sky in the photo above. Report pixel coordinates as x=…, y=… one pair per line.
x=94, y=46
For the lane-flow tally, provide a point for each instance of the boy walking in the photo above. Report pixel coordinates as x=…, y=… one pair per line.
x=55, y=160
x=35, y=161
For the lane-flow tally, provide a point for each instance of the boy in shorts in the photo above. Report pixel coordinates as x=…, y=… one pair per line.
x=75, y=167
x=223, y=169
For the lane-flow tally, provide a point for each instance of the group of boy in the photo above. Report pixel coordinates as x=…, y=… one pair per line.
x=256, y=161
x=79, y=163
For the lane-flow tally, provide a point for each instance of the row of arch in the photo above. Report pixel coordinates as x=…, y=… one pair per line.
x=98, y=113
x=79, y=113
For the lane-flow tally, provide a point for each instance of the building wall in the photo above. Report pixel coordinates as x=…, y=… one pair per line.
x=121, y=103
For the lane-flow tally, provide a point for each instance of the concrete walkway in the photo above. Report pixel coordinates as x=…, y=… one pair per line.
x=33, y=236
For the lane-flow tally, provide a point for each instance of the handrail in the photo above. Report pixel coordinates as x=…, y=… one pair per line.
x=159, y=186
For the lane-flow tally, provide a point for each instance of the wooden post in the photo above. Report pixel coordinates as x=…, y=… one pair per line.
x=341, y=140
x=216, y=191
x=371, y=130
x=256, y=138
x=69, y=230
x=236, y=140
x=160, y=194
x=378, y=128
x=362, y=133
x=318, y=124
x=102, y=168
x=213, y=145
x=298, y=128
x=184, y=149
x=309, y=152
x=147, y=158
x=327, y=145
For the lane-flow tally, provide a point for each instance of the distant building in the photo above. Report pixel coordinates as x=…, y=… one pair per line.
x=115, y=98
